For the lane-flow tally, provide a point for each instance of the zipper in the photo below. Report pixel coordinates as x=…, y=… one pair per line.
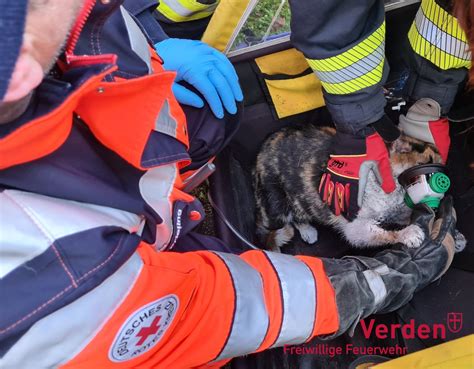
x=78, y=26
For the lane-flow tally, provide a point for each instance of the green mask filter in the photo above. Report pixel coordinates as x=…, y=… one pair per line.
x=425, y=184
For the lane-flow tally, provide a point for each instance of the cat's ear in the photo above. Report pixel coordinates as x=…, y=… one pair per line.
x=401, y=146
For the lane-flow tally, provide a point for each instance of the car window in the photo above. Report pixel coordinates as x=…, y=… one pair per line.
x=267, y=22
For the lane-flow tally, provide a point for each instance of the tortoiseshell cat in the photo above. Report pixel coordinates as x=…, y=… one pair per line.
x=286, y=179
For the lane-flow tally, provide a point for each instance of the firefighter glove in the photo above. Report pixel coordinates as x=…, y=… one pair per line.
x=351, y=160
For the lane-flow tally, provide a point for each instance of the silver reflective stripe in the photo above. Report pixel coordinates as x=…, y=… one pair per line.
x=251, y=320
x=356, y=70
x=166, y=123
x=138, y=41
x=156, y=186
x=181, y=10
x=60, y=336
x=442, y=40
x=298, y=288
x=376, y=283
x=30, y=223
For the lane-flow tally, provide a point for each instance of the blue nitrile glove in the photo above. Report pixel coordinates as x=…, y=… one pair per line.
x=208, y=70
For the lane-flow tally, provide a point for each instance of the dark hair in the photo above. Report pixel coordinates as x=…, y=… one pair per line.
x=464, y=11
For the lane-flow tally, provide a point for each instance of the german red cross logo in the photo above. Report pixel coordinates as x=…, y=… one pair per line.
x=148, y=331
x=143, y=329
x=455, y=322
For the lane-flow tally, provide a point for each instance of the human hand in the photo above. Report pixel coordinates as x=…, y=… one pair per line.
x=205, y=68
x=352, y=158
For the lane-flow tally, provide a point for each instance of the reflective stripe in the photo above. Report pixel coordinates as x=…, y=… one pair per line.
x=437, y=36
x=354, y=69
x=185, y=10
x=138, y=41
x=156, y=186
x=30, y=223
x=251, y=319
x=299, y=299
x=57, y=338
x=166, y=123
x=376, y=283
x=348, y=73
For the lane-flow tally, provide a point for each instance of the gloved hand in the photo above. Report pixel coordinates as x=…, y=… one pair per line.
x=423, y=121
x=384, y=283
x=205, y=68
x=352, y=158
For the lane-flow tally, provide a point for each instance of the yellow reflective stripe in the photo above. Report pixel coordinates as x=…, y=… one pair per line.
x=355, y=69
x=369, y=79
x=196, y=6
x=442, y=19
x=436, y=36
x=185, y=10
x=432, y=53
x=351, y=56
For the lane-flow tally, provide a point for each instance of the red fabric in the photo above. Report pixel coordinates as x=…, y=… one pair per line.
x=440, y=131
x=346, y=166
x=47, y=132
x=204, y=287
x=376, y=150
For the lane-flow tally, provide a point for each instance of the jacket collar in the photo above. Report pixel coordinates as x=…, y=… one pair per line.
x=52, y=106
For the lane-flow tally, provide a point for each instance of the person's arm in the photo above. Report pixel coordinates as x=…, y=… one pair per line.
x=198, y=308
x=170, y=310
x=344, y=43
x=186, y=310
x=439, y=57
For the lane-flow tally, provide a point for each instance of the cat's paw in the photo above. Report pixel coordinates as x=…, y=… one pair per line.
x=412, y=236
x=282, y=236
x=308, y=233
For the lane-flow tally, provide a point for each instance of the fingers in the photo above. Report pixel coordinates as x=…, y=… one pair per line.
x=224, y=91
x=228, y=71
x=208, y=90
x=335, y=194
x=446, y=218
x=339, y=201
x=364, y=170
x=187, y=97
x=446, y=207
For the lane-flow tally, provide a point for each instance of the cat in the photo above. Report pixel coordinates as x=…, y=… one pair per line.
x=286, y=179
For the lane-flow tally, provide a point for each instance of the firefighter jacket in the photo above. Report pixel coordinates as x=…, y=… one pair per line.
x=91, y=206
x=344, y=43
x=177, y=11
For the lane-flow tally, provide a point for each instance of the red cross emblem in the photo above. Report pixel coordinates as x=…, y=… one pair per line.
x=455, y=322
x=146, y=332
